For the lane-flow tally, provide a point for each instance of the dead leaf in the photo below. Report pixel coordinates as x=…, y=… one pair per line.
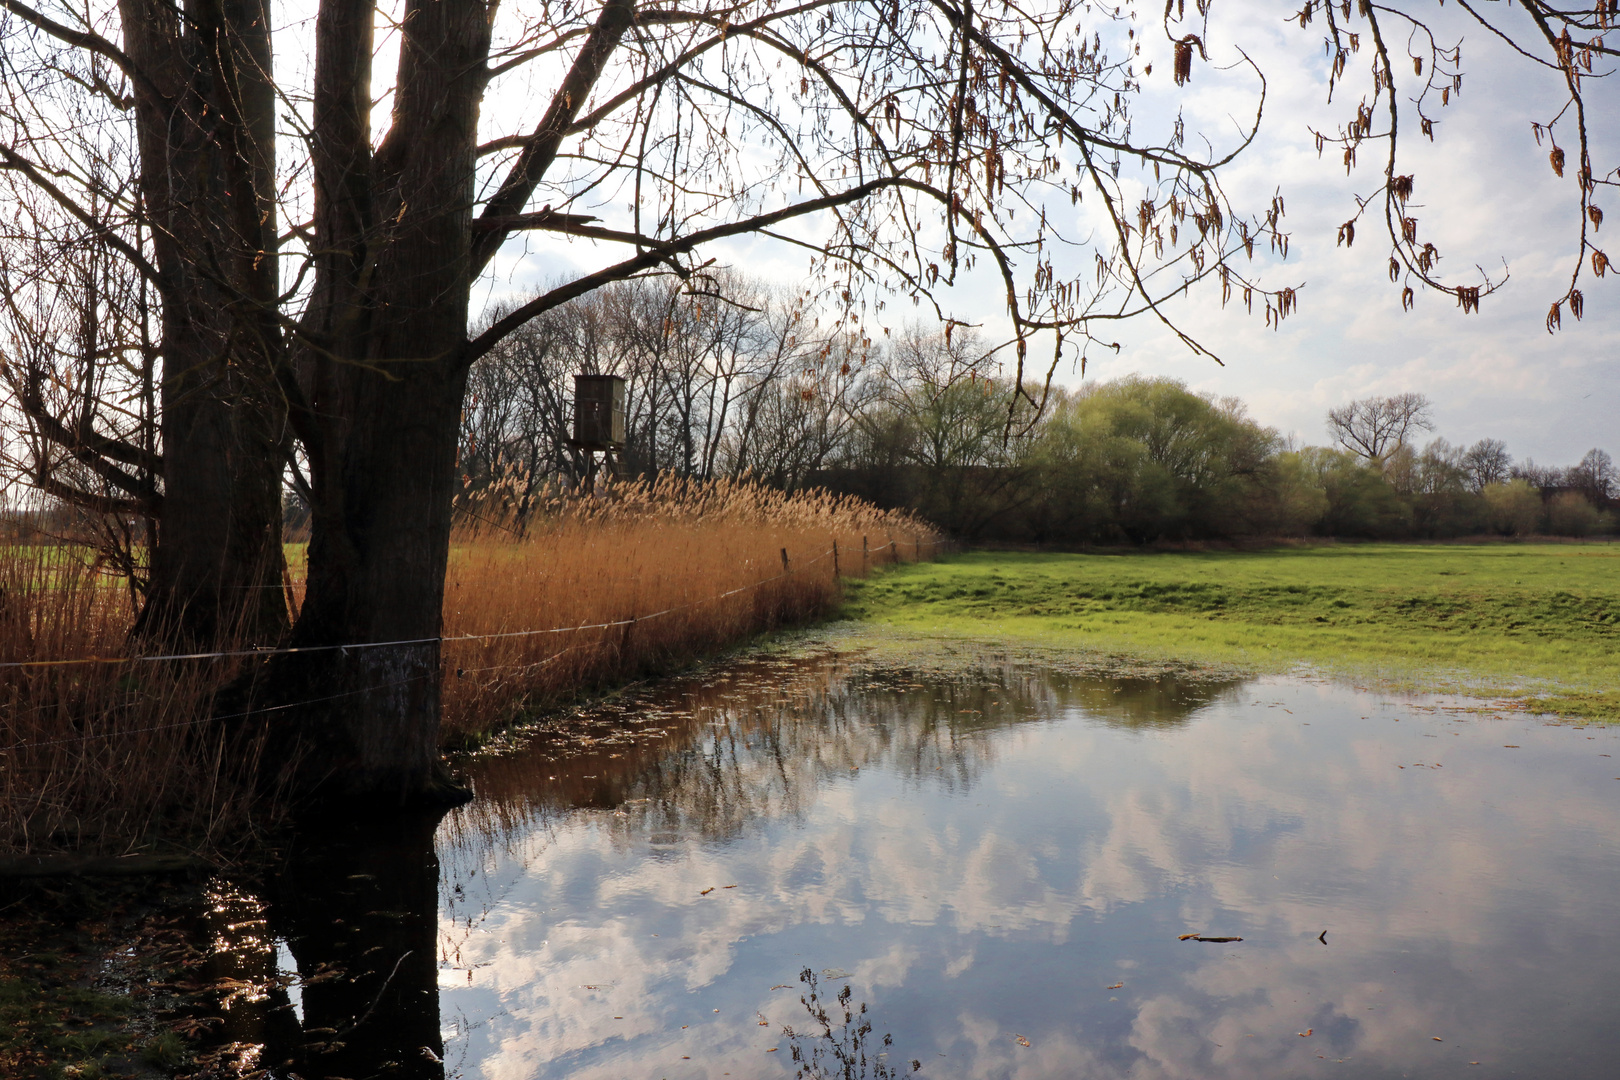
x=1116, y=986
x=1021, y=1040
x=707, y=891
x=1305, y=1034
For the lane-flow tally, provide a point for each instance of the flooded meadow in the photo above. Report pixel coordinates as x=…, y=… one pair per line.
x=831, y=865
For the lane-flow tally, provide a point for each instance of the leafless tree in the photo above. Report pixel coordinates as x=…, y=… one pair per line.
x=516, y=424
x=734, y=379
x=78, y=373
x=1487, y=462
x=1544, y=478
x=1376, y=427
x=1595, y=476
x=802, y=407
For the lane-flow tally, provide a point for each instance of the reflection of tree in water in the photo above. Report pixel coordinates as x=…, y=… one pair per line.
x=704, y=757
x=1159, y=701
x=359, y=906
x=839, y=1042
x=356, y=904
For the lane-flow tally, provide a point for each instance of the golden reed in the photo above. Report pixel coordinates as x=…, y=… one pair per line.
x=678, y=568
x=112, y=757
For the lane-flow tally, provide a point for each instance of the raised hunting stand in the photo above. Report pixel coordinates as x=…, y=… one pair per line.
x=598, y=421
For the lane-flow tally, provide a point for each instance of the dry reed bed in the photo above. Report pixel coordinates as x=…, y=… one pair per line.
x=109, y=757
x=677, y=569
x=95, y=757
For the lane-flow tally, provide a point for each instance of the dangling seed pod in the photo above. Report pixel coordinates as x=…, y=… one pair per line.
x=1183, y=62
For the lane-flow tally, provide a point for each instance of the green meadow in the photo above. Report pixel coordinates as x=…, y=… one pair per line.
x=1539, y=620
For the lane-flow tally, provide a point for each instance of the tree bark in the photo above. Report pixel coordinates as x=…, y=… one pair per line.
x=384, y=399
x=205, y=120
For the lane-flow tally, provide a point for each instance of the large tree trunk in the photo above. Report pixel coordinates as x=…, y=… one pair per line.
x=376, y=580
x=384, y=398
x=205, y=119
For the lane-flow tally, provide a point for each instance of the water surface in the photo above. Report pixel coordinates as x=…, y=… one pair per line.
x=999, y=865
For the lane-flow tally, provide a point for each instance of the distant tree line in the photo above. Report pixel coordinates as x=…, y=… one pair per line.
x=735, y=378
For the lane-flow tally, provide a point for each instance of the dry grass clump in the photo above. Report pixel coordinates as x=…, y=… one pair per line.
x=673, y=569
x=99, y=758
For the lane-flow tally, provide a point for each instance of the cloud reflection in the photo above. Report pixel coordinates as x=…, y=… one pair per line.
x=1002, y=861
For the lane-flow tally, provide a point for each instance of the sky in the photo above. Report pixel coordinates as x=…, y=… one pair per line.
x=1485, y=195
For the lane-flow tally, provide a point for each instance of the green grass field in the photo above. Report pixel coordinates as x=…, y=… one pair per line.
x=1539, y=619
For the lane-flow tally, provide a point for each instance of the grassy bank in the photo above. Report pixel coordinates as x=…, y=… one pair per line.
x=1530, y=618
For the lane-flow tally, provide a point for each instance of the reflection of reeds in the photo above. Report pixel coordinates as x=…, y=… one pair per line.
x=680, y=567
x=106, y=757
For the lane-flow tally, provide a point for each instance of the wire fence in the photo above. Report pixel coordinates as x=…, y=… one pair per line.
x=437, y=639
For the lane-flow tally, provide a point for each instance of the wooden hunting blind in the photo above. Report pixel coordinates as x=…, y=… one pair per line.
x=598, y=412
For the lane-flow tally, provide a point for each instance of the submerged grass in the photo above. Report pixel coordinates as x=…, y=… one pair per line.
x=1542, y=621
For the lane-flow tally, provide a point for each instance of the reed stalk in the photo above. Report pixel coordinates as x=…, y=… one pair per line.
x=113, y=757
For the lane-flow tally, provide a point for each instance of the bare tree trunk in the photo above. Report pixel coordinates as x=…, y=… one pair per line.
x=207, y=184
x=385, y=398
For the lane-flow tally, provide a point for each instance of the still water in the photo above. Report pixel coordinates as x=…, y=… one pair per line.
x=998, y=865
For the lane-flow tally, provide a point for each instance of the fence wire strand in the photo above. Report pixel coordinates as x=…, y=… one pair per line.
x=440, y=639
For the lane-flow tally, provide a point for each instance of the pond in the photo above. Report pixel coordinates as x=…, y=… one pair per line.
x=827, y=867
